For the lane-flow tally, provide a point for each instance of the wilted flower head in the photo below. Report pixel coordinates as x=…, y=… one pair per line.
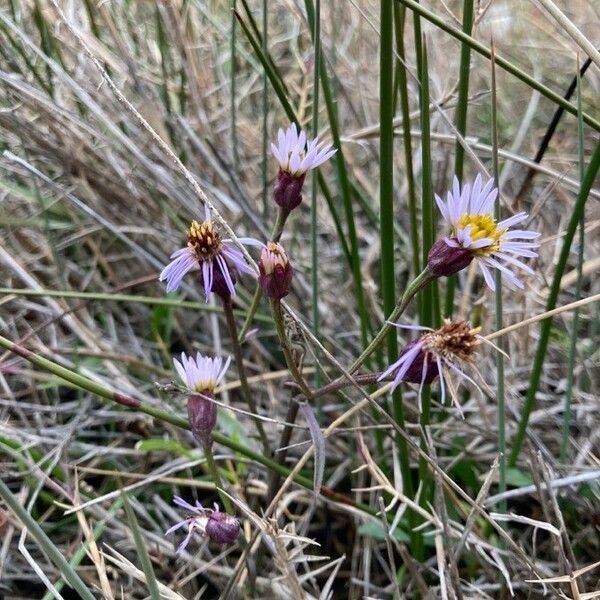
x=201, y=376
x=475, y=235
x=422, y=360
x=208, y=251
x=276, y=272
x=296, y=156
x=214, y=524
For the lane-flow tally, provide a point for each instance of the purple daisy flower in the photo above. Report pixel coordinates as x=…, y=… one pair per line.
x=297, y=155
x=201, y=374
x=206, y=250
x=475, y=235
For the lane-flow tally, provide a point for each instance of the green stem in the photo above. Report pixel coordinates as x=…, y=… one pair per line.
x=239, y=363
x=417, y=284
x=216, y=477
x=538, y=363
x=287, y=351
x=501, y=62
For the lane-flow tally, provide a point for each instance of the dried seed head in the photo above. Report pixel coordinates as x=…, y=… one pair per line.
x=454, y=340
x=275, y=271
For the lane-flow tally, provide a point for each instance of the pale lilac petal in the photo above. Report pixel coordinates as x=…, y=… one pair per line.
x=513, y=261
x=487, y=275
x=524, y=234
x=176, y=526
x=413, y=327
x=514, y=220
x=226, y=275
x=442, y=384
x=179, y=501
x=185, y=542
x=482, y=243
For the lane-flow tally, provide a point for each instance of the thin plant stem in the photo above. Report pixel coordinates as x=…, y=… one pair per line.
x=287, y=350
x=216, y=477
x=501, y=62
x=499, y=323
x=564, y=443
x=265, y=110
x=540, y=355
x=239, y=362
x=232, y=87
x=314, y=233
x=461, y=125
x=386, y=214
x=417, y=284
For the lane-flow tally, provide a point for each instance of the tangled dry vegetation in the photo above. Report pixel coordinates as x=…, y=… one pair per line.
x=91, y=207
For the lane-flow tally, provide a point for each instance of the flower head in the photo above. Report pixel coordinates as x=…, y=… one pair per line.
x=201, y=374
x=452, y=345
x=207, y=251
x=214, y=524
x=472, y=228
x=276, y=272
x=296, y=156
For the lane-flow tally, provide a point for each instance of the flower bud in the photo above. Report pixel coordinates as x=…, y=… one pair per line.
x=444, y=260
x=222, y=528
x=288, y=190
x=202, y=413
x=219, y=283
x=275, y=271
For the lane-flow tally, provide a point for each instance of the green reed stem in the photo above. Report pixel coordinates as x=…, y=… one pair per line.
x=232, y=88
x=501, y=62
x=500, y=395
x=265, y=112
x=564, y=443
x=241, y=369
x=216, y=477
x=402, y=88
x=461, y=126
x=538, y=363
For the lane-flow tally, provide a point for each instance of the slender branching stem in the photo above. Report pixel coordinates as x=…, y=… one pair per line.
x=239, y=362
x=216, y=477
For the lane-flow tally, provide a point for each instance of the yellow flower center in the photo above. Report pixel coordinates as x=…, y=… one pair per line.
x=204, y=240
x=482, y=226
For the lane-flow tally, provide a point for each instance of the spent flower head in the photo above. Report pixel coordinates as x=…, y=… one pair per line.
x=276, y=272
x=214, y=524
x=217, y=259
x=474, y=234
x=435, y=352
x=296, y=156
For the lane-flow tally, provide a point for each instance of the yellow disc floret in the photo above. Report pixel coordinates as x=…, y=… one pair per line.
x=204, y=240
x=482, y=226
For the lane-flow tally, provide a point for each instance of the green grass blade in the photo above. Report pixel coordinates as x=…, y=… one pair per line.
x=574, y=326
x=461, y=125
x=142, y=550
x=501, y=62
x=55, y=555
x=538, y=363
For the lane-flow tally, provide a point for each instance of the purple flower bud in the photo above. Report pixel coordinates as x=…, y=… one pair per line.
x=220, y=283
x=202, y=413
x=222, y=528
x=288, y=190
x=444, y=260
x=275, y=271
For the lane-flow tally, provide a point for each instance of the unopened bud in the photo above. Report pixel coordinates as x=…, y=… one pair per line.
x=222, y=528
x=288, y=190
x=202, y=413
x=275, y=271
x=444, y=260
